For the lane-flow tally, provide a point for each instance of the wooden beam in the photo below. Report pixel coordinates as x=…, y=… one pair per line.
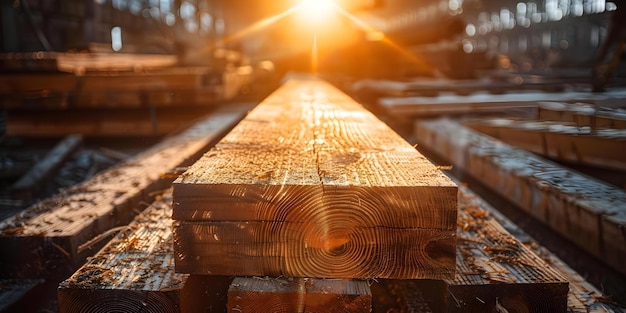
x=589, y=213
x=559, y=141
x=83, y=62
x=434, y=87
x=45, y=238
x=310, y=184
x=145, y=121
x=495, y=271
x=428, y=107
x=256, y=294
x=36, y=83
x=477, y=103
x=30, y=184
x=135, y=272
x=582, y=296
x=170, y=79
x=141, y=98
x=582, y=114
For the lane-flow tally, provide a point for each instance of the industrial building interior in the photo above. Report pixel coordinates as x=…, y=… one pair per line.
x=107, y=104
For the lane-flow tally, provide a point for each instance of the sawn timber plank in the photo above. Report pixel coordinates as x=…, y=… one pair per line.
x=310, y=184
x=565, y=142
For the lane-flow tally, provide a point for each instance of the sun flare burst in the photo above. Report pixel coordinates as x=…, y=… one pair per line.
x=316, y=11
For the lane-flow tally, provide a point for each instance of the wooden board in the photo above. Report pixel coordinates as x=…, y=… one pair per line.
x=453, y=104
x=147, y=121
x=82, y=62
x=170, y=79
x=258, y=294
x=582, y=114
x=146, y=98
x=39, y=84
x=589, y=213
x=582, y=296
x=310, y=184
x=135, y=272
x=45, y=238
x=601, y=147
x=434, y=87
x=495, y=271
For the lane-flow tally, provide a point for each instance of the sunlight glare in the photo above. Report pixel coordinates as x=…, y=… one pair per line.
x=317, y=10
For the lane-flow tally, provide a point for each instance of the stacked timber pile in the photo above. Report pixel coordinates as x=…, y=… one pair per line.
x=110, y=94
x=303, y=208
x=50, y=239
x=311, y=185
x=589, y=213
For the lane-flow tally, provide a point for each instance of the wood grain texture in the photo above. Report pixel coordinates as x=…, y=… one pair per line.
x=496, y=271
x=45, y=238
x=324, y=186
x=589, y=213
x=582, y=296
x=135, y=272
x=255, y=294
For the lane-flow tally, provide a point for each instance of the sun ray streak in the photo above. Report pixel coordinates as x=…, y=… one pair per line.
x=368, y=28
x=257, y=26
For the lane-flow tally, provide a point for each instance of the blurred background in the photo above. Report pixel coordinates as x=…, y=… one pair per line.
x=453, y=38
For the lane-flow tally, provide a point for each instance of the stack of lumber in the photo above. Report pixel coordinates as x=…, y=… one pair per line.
x=589, y=213
x=110, y=88
x=311, y=185
x=96, y=80
x=135, y=271
x=312, y=212
x=51, y=238
x=496, y=272
x=108, y=94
